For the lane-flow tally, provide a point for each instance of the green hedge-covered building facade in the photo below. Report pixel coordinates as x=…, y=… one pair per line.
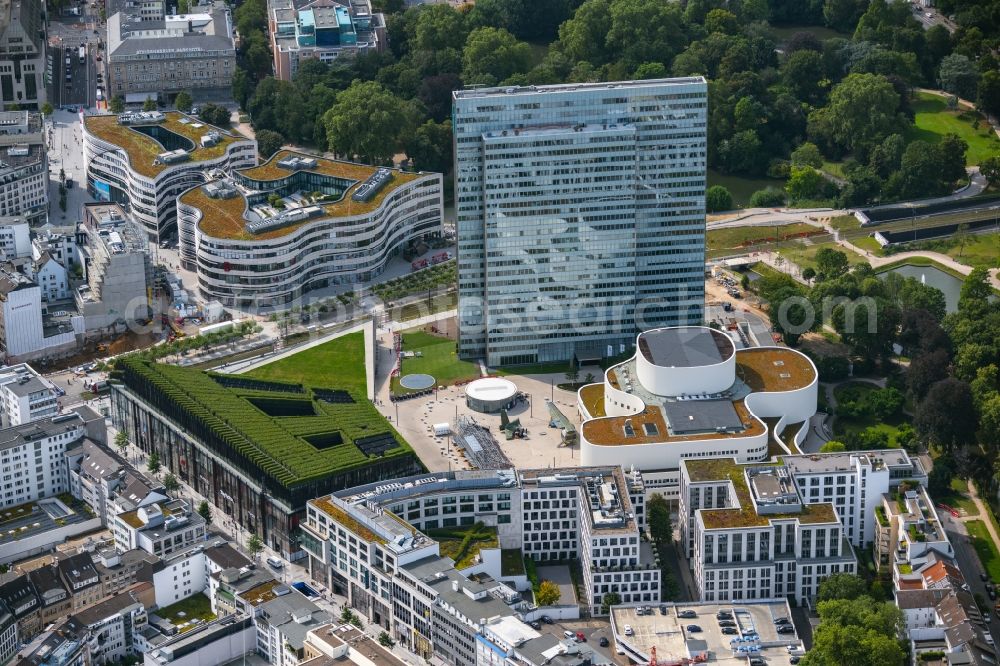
x=257, y=449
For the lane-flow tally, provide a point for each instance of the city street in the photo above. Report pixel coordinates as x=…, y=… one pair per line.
x=66, y=154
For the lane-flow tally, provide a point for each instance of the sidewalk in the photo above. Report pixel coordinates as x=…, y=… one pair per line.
x=984, y=515
x=943, y=259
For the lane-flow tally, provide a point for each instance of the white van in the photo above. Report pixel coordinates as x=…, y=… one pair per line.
x=275, y=563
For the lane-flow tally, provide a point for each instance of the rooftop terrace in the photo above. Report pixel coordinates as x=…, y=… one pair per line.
x=745, y=515
x=142, y=150
x=226, y=218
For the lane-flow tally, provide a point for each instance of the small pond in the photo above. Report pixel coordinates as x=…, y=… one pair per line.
x=949, y=285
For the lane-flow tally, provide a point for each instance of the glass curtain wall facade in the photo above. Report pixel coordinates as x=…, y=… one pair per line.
x=580, y=214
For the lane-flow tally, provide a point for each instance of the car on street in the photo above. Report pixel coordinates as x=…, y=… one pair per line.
x=628, y=630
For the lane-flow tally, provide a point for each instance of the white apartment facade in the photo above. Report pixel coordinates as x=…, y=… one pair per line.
x=22, y=333
x=15, y=238
x=749, y=536
x=25, y=396
x=161, y=528
x=32, y=457
x=24, y=166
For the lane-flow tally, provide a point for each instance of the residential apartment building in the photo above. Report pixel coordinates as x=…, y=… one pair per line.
x=282, y=625
x=750, y=535
x=364, y=542
x=51, y=277
x=81, y=579
x=25, y=396
x=117, y=269
x=32, y=454
x=250, y=254
x=321, y=29
x=854, y=482
x=15, y=238
x=145, y=160
x=24, y=164
x=756, y=531
x=108, y=628
x=22, y=54
x=170, y=53
x=160, y=528
x=8, y=633
x=580, y=216
x=24, y=334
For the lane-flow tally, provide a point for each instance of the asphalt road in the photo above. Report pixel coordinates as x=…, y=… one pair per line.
x=968, y=562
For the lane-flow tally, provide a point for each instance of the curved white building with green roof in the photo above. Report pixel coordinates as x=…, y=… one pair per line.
x=144, y=160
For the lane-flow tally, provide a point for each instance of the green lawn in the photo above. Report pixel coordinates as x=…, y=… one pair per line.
x=438, y=359
x=197, y=606
x=843, y=222
x=733, y=239
x=933, y=120
x=957, y=498
x=462, y=544
x=742, y=187
x=985, y=548
x=976, y=250
x=835, y=169
x=339, y=362
x=868, y=243
x=804, y=256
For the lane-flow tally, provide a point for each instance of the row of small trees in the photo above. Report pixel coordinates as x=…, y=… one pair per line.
x=172, y=484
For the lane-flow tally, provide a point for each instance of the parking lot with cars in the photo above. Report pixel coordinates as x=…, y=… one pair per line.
x=755, y=633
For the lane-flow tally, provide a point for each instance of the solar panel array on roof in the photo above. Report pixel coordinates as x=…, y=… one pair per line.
x=376, y=445
x=257, y=384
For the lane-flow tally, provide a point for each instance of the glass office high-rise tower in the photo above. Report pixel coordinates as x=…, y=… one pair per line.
x=580, y=213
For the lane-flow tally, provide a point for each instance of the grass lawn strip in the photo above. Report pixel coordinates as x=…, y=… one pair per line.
x=985, y=548
x=933, y=119
x=195, y=607
x=339, y=361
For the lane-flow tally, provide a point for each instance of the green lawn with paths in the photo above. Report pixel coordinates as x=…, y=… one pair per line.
x=985, y=548
x=437, y=358
x=933, y=119
x=338, y=363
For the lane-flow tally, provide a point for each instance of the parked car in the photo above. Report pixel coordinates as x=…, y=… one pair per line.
x=663, y=610
x=687, y=614
x=983, y=577
x=726, y=623
x=795, y=659
x=694, y=629
x=757, y=661
x=628, y=630
x=782, y=620
x=785, y=629
x=582, y=637
x=729, y=631
x=569, y=634
x=546, y=619
x=723, y=615
x=275, y=563
x=604, y=641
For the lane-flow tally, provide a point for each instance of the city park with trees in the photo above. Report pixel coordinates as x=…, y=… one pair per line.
x=815, y=101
